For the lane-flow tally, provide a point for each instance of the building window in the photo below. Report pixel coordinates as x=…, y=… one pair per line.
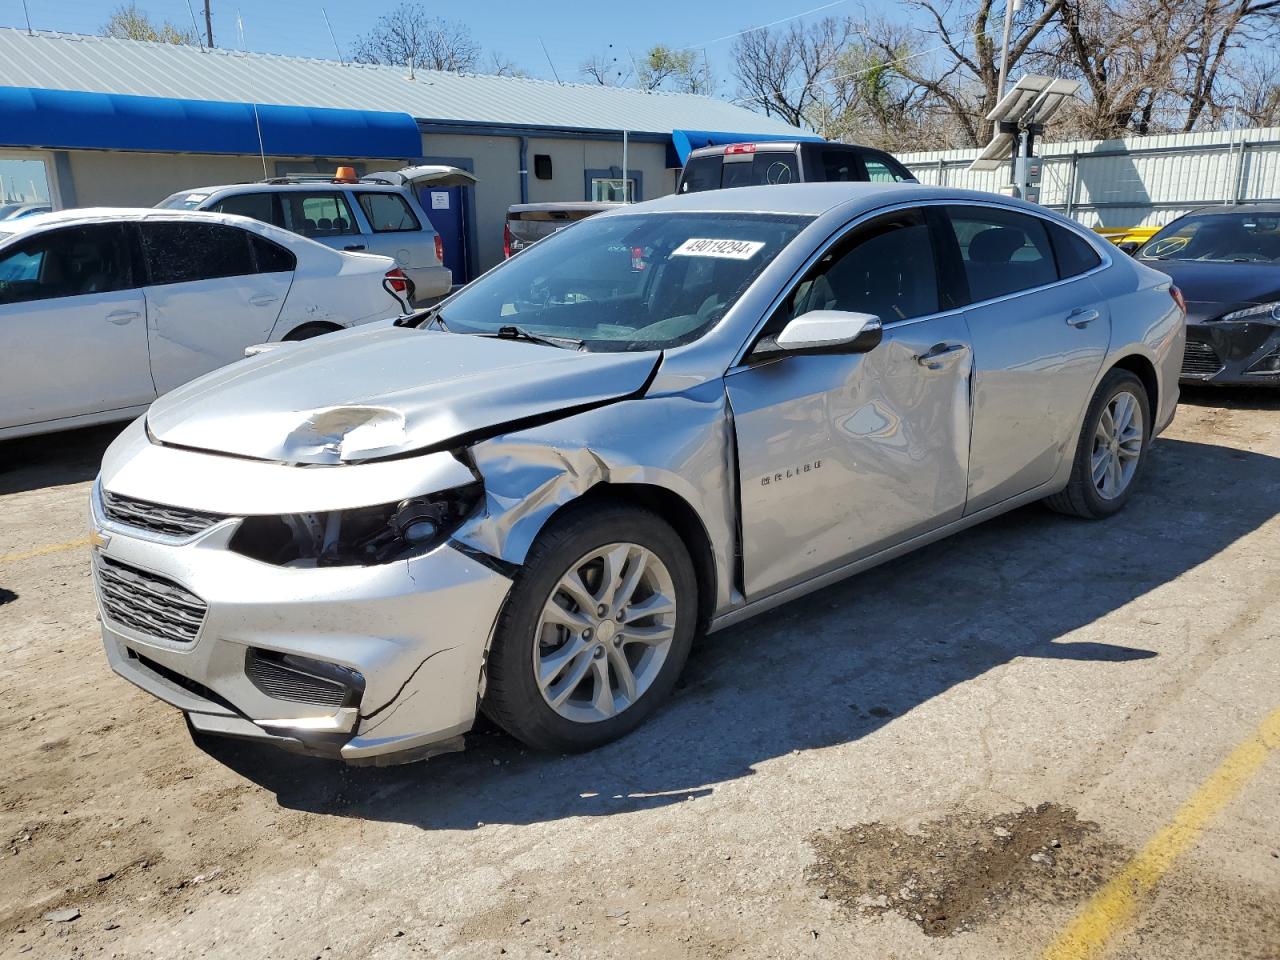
x=609, y=190
x=542, y=166
x=24, y=185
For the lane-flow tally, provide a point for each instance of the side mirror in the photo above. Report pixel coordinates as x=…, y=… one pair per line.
x=830, y=331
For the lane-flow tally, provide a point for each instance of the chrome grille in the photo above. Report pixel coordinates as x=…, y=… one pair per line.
x=1200, y=359
x=156, y=517
x=149, y=604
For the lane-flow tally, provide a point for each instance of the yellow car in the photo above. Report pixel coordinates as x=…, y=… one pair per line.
x=1128, y=239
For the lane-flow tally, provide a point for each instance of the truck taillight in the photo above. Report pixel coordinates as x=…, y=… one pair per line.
x=740, y=148
x=396, y=281
x=1178, y=298
x=439, y=249
x=506, y=240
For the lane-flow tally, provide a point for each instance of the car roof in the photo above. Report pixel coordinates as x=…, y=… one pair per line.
x=811, y=199
x=1272, y=207
x=260, y=186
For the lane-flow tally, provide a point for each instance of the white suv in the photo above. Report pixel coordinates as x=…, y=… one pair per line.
x=377, y=213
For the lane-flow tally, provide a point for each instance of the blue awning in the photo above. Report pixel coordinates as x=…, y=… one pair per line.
x=76, y=120
x=687, y=140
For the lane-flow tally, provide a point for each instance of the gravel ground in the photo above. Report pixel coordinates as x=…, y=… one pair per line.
x=880, y=770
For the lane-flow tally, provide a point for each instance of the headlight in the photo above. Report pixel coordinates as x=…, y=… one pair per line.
x=359, y=537
x=1255, y=311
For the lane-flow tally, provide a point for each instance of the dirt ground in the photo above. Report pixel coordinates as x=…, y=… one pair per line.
x=941, y=758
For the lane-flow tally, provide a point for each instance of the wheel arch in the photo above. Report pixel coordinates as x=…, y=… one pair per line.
x=314, y=328
x=676, y=511
x=1142, y=367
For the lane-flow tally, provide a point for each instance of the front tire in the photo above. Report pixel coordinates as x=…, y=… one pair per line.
x=596, y=629
x=1112, y=449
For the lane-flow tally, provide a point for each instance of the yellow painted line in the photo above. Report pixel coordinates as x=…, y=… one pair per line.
x=44, y=551
x=1116, y=903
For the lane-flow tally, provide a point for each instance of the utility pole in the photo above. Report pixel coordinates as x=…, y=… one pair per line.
x=1010, y=8
x=208, y=24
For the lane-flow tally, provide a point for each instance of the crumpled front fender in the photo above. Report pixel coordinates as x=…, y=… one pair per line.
x=681, y=443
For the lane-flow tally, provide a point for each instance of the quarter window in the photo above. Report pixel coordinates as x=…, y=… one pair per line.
x=839, y=165
x=880, y=172
x=317, y=214
x=885, y=267
x=70, y=262
x=387, y=212
x=184, y=252
x=1002, y=251
x=1075, y=254
x=271, y=257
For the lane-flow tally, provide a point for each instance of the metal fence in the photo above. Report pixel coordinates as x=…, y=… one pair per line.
x=1137, y=181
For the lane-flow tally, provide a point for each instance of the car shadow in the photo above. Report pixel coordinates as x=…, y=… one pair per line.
x=1232, y=398
x=54, y=459
x=834, y=667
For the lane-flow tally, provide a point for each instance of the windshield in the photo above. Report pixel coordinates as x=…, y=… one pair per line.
x=183, y=201
x=639, y=282
x=1218, y=238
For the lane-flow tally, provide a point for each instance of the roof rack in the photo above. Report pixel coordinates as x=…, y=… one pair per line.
x=389, y=178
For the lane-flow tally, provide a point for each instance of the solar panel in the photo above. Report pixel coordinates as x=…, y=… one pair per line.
x=995, y=154
x=1031, y=101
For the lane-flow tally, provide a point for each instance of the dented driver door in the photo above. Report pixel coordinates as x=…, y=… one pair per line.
x=840, y=456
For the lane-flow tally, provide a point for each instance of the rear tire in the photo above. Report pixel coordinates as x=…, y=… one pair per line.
x=568, y=676
x=1111, y=452
x=309, y=330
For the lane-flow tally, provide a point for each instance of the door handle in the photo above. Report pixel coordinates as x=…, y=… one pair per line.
x=263, y=300
x=121, y=317
x=354, y=246
x=939, y=356
x=1082, y=317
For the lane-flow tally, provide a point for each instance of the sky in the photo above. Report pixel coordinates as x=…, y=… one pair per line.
x=572, y=31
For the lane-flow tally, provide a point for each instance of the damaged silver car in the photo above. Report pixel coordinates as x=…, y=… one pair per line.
x=531, y=499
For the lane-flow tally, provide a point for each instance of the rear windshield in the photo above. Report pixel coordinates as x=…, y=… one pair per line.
x=713, y=173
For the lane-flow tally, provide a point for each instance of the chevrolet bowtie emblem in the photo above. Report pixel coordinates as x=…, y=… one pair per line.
x=98, y=539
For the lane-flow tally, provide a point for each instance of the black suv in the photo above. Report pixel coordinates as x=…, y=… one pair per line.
x=787, y=161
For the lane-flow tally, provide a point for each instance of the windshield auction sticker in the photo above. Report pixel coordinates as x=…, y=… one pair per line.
x=724, y=249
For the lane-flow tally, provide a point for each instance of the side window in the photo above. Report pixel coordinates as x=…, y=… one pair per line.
x=839, y=165
x=884, y=267
x=1002, y=251
x=182, y=252
x=317, y=214
x=388, y=212
x=71, y=262
x=1075, y=254
x=259, y=206
x=879, y=171
x=271, y=257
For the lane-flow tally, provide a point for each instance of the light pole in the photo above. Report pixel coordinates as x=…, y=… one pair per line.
x=1011, y=7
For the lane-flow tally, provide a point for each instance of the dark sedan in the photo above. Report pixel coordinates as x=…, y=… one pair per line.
x=1226, y=261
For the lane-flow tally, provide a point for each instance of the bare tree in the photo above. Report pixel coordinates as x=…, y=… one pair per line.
x=128, y=22
x=502, y=66
x=607, y=69
x=782, y=72
x=666, y=68
x=409, y=36
x=1257, y=82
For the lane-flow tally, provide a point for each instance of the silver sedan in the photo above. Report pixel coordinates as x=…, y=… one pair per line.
x=670, y=417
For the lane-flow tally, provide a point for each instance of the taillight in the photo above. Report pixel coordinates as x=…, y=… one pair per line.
x=1178, y=298
x=506, y=240
x=439, y=249
x=396, y=281
x=740, y=148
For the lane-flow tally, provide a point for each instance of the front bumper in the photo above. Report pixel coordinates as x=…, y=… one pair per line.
x=416, y=631
x=1225, y=352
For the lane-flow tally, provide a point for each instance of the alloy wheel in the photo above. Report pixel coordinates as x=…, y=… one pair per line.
x=604, y=632
x=1117, y=445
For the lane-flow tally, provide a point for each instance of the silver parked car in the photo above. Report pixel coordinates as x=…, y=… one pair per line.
x=378, y=213
x=674, y=416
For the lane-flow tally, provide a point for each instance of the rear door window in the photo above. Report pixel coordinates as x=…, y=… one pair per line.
x=258, y=206
x=70, y=262
x=1003, y=252
x=319, y=214
x=883, y=170
x=387, y=212
x=185, y=252
x=839, y=166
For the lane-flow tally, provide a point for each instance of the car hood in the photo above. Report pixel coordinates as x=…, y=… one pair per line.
x=1212, y=289
x=382, y=391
